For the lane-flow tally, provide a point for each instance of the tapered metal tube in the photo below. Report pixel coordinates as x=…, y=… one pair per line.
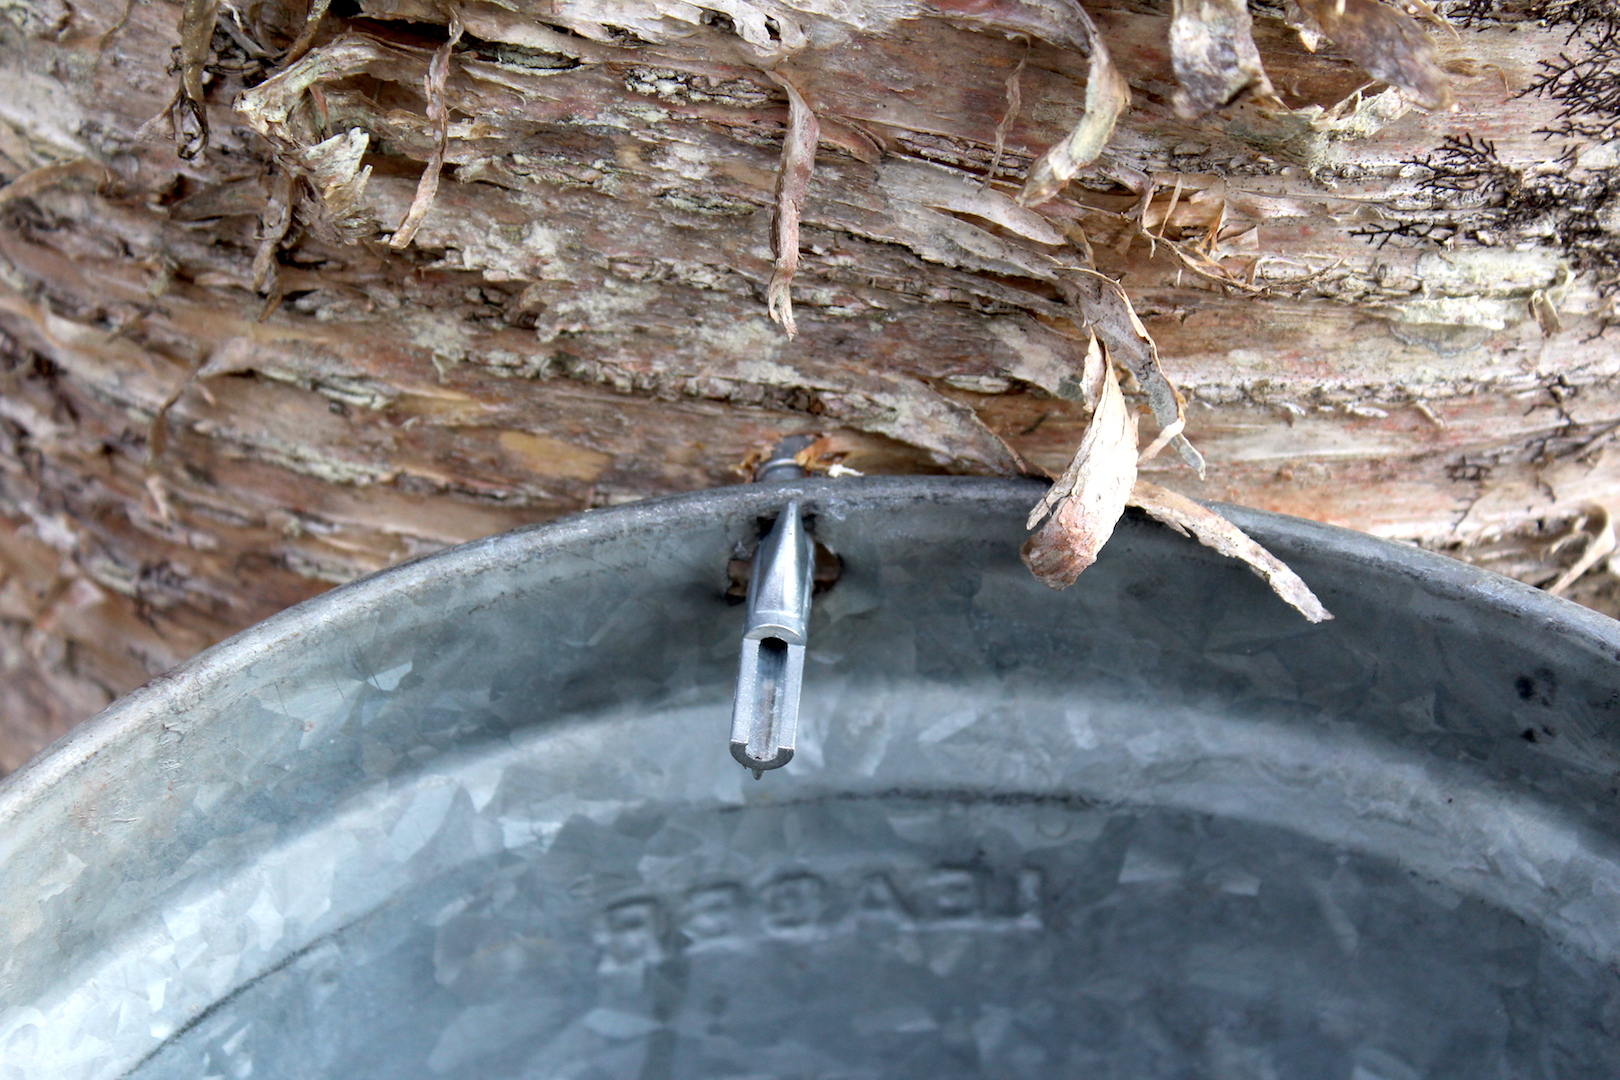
x=770, y=675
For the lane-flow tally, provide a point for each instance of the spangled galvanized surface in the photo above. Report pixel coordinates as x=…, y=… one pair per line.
x=476, y=817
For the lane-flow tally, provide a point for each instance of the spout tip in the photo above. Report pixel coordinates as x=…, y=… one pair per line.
x=739, y=750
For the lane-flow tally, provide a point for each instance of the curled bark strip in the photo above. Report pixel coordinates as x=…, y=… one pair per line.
x=189, y=112
x=46, y=177
x=1212, y=530
x=769, y=29
x=157, y=432
x=273, y=226
x=1087, y=500
x=1106, y=308
x=438, y=111
x=1213, y=52
x=1546, y=313
x=792, y=184
x=306, y=36
x=1107, y=95
x=113, y=31
x=269, y=107
x=851, y=139
x=1600, y=544
x=1093, y=382
x=1015, y=102
x=1160, y=441
x=1062, y=22
x=928, y=185
x=1387, y=44
x=334, y=169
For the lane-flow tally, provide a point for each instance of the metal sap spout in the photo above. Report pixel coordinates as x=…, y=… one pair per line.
x=765, y=715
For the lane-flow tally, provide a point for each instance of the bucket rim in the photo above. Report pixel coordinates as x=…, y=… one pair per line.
x=1285, y=535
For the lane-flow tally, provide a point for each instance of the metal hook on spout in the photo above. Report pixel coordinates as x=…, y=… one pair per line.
x=770, y=675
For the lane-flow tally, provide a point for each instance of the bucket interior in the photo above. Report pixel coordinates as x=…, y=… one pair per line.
x=477, y=818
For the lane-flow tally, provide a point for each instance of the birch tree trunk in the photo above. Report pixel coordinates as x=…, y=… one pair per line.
x=231, y=379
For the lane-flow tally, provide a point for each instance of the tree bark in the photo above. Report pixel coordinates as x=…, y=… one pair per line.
x=233, y=379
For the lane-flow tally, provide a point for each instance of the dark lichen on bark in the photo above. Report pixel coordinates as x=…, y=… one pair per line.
x=1569, y=200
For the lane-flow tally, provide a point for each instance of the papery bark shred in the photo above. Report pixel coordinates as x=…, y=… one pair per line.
x=334, y=168
x=190, y=112
x=1015, y=102
x=44, y=177
x=1213, y=52
x=1106, y=308
x=1600, y=544
x=1388, y=44
x=438, y=111
x=306, y=36
x=273, y=226
x=1083, y=506
x=792, y=184
x=1107, y=96
x=1214, y=531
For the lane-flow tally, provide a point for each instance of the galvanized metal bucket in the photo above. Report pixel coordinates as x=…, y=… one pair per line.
x=476, y=817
